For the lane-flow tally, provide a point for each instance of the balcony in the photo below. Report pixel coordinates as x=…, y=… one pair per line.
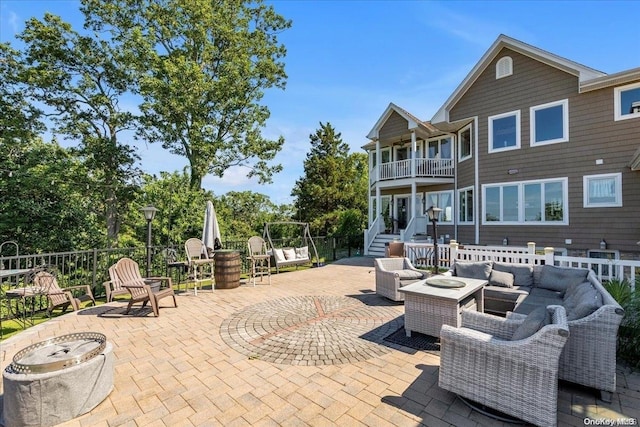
x=424, y=168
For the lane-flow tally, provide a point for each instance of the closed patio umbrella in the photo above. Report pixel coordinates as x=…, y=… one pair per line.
x=211, y=229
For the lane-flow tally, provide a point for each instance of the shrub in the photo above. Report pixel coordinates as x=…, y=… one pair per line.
x=629, y=332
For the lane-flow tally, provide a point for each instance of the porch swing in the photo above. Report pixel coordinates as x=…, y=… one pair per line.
x=296, y=254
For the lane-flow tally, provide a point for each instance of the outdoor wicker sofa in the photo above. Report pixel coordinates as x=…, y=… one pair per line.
x=485, y=362
x=392, y=274
x=593, y=315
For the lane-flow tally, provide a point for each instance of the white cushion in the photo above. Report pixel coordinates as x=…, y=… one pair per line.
x=302, y=253
x=289, y=253
x=278, y=254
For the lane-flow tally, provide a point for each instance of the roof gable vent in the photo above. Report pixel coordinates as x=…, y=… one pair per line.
x=504, y=67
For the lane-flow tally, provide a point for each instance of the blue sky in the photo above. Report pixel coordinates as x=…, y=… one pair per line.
x=347, y=60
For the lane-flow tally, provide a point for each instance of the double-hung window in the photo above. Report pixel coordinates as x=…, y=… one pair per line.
x=530, y=202
x=504, y=131
x=465, y=144
x=603, y=190
x=626, y=102
x=465, y=205
x=550, y=123
x=442, y=200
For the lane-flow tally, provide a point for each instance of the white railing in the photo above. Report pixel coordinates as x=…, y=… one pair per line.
x=370, y=234
x=605, y=269
x=421, y=254
x=434, y=167
x=402, y=169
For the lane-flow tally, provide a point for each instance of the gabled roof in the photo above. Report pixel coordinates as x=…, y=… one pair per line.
x=583, y=73
x=413, y=121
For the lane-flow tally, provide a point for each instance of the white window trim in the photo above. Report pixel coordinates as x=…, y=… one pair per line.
x=438, y=140
x=451, y=193
x=616, y=103
x=565, y=122
x=500, y=116
x=464, y=129
x=459, y=206
x=521, y=184
x=585, y=191
x=509, y=66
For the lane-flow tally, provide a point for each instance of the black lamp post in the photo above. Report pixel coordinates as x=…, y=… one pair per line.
x=434, y=213
x=149, y=213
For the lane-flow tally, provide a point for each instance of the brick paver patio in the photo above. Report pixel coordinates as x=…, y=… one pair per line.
x=306, y=350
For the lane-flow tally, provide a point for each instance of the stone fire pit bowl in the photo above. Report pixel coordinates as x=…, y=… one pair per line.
x=56, y=380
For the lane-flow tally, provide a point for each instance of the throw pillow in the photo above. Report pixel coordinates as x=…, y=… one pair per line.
x=473, y=270
x=302, y=253
x=532, y=324
x=583, y=303
x=278, y=254
x=289, y=253
x=501, y=278
x=559, y=278
x=522, y=274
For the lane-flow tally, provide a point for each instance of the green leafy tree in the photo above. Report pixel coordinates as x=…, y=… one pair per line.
x=334, y=183
x=44, y=205
x=243, y=214
x=203, y=67
x=20, y=120
x=180, y=211
x=81, y=78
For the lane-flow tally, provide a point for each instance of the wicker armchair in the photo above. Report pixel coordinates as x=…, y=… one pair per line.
x=392, y=274
x=519, y=378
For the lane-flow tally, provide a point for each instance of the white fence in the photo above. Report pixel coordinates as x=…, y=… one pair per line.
x=422, y=255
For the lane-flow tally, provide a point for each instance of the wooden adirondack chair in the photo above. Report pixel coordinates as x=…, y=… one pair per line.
x=114, y=287
x=46, y=283
x=128, y=273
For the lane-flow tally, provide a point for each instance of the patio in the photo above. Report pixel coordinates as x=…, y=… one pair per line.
x=308, y=349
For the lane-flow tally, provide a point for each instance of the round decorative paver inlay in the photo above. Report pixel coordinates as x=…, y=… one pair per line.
x=312, y=330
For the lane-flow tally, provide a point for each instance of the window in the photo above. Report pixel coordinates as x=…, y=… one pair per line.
x=465, y=204
x=550, y=123
x=627, y=102
x=464, y=144
x=442, y=200
x=504, y=131
x=602, y=190
x=530, y=202
x=439, y=148
x=504, y=67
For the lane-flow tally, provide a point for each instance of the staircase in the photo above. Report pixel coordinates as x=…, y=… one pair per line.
x=377, y=248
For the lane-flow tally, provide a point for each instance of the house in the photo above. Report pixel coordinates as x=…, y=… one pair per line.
x=529, y=147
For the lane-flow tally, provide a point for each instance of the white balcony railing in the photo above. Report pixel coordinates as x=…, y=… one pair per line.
x=424, y=168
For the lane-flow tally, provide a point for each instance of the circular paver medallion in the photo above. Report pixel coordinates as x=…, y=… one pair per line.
x=312, y=330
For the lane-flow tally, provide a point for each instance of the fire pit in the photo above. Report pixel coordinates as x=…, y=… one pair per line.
x=53, y=381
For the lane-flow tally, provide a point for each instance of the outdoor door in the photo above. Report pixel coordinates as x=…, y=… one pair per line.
x=403, y=212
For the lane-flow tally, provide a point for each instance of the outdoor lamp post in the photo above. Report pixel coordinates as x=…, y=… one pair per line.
x=149, y=213
x=434, y=213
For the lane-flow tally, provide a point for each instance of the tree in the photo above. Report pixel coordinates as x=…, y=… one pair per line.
x=44, y=203
x=82, y=79
x=243, y=214
x=202, y=68
x=334, y=182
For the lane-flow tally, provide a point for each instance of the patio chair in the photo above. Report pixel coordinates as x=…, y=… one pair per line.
x=45, y=283
x=113, y=286
x=395, y=250
x=393, y=273
x=198, y=258
x=259, y=258
x=510, y=366
x=140, y=288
